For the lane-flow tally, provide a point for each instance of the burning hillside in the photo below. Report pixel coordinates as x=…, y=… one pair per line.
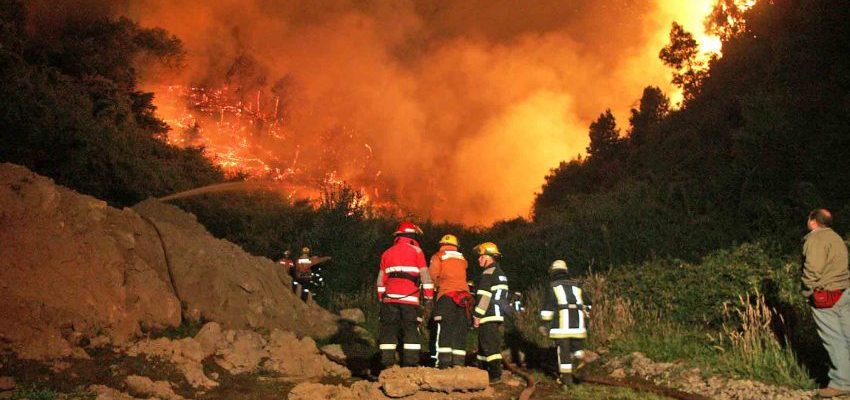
x=452, y=111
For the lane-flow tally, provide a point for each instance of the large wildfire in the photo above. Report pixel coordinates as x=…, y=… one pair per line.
x=449, y=110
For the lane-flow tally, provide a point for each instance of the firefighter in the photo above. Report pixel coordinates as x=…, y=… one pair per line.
x=566, y=308
x=491, y=301
x=287, y=264
x=302, y=275
x=402, y=275
x=451, y=312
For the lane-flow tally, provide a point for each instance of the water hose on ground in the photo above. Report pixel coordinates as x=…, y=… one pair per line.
x=529, y=379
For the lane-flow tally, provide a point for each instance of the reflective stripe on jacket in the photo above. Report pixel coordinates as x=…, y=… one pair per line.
x=564, y=306
x=491, y=291
x=403, y=272
x=448, y=271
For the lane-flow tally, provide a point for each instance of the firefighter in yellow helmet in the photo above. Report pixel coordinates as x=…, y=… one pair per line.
x=451, y=312
x=491, y=306
x=566, y=309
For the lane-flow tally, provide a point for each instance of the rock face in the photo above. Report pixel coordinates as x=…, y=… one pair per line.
x=72, y=268
x=408, y=383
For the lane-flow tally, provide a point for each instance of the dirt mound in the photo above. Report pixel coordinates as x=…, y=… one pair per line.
x=70, y=266
x=217, y=281
x=73, y=268
x=409, y=383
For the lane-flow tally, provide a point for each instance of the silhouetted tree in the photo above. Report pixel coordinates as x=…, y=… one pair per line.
x=682, y=54
x=605, y=142
x=653, y=107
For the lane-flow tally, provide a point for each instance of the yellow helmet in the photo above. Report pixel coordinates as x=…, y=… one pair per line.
x=305, y=250
x=558, y=265
x=487, y=249
x=449, y=239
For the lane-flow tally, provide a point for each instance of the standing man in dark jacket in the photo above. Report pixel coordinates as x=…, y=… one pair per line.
x=491, y=299
x=566, y=308
x=402, y=275
x=826, y=279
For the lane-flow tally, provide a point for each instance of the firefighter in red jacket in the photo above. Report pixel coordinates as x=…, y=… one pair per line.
x=403, y=273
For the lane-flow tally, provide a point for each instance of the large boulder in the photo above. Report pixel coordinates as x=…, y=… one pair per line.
x=71, y=267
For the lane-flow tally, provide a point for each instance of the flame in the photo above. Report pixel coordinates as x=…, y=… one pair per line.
x=421, y=106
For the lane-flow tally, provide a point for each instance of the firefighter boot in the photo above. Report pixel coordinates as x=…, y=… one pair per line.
x=494, y=371
x=566, y=380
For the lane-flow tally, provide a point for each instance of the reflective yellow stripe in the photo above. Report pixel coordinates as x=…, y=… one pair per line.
x=499, y=287
x=459, y=352
x=582, y=335
x=494, y=318
x=497, y=356
x=482, y=292
x=547, y=315
x=384, y=346
x=479, y=311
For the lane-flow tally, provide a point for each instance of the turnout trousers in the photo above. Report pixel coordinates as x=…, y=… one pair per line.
x=490, y=349
x=452, y=326
x=570, y=354
x=400, y=323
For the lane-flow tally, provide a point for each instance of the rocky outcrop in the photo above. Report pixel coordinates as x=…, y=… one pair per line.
x=72, y=268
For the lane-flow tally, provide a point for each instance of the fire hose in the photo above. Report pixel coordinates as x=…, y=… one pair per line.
x=640, y=386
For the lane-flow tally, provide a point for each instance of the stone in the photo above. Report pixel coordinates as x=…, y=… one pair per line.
x=334, y=351
x=243, y=353
x=402, y=382
x=108, y=393
x=295, y=357
x=7, y=383
x=618, y=373
x=146, y=386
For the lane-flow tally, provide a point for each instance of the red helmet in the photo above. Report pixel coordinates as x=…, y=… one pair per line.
x=407, y=227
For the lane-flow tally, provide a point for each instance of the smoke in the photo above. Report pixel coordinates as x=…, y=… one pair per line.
x=456, y=109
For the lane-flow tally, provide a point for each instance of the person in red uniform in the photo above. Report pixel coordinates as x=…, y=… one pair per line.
x=403, y=274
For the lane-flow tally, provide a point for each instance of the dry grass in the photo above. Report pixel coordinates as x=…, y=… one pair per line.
x=612, y=316
x=754, y=349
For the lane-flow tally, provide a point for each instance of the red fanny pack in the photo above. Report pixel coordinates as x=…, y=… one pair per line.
x=826, y=298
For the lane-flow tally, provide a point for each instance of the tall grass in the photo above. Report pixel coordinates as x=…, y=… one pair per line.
x=612, y=316
x=753, y=349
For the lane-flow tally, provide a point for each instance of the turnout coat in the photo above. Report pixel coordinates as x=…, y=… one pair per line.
x=565, y=307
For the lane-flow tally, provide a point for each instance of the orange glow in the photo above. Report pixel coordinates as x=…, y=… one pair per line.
x=452, y=111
